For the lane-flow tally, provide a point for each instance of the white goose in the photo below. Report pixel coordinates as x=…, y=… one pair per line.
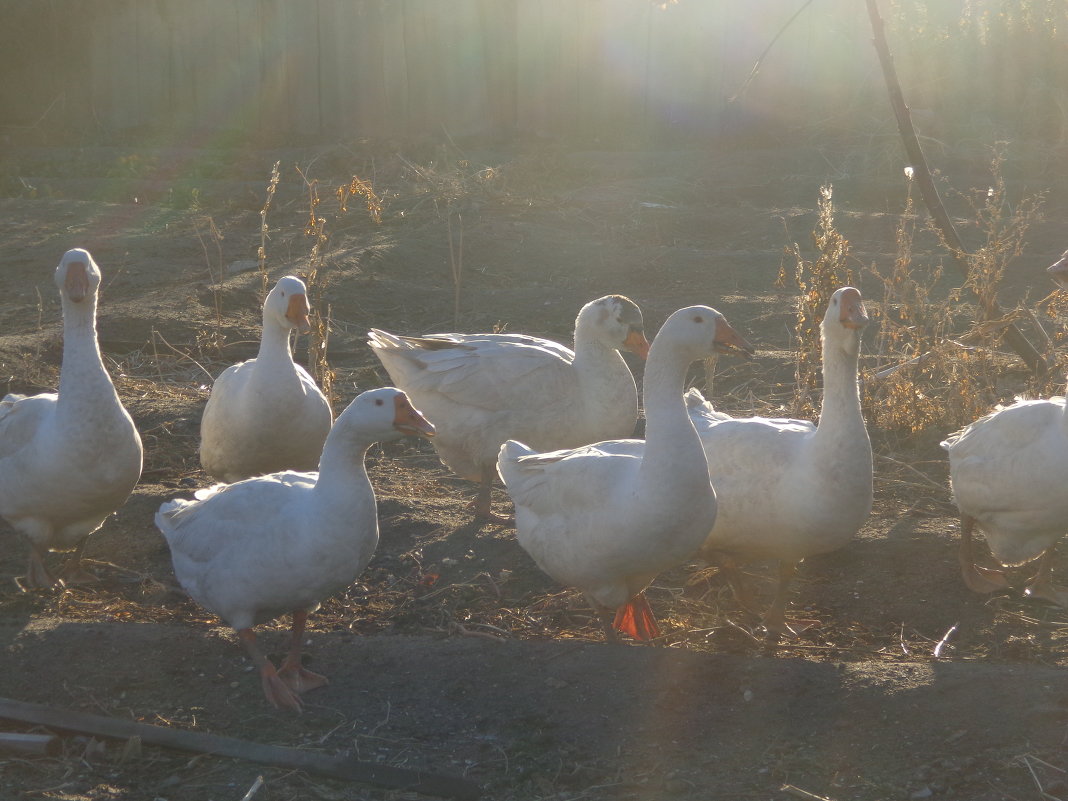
x=608, y=517
x=1005, y=470
x=262, y=547
x=68, y=460
x=789, y=489
x=481, y=389
x=267, y=414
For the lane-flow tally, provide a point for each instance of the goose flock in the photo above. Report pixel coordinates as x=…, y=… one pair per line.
x=294, y=520
x=494, y=387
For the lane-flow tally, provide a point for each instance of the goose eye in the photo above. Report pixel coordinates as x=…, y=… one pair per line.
x=698, y=318
x=378, y=401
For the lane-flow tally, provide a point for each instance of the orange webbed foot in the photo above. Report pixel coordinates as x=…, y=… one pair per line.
x=636, y=618
x=277, y=691
x=300, y=679
x=1042, y=587
x=37, y=577
x=983, y=580
x=484, y=514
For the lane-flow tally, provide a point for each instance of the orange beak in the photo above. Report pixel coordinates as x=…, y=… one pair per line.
x=297, y=313
x=730, y=341
x=409, y=420
x=637, y=343
x=852, y=312
x=77, y=281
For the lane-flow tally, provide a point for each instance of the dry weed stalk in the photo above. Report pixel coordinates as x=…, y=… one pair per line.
x=216, y=237
x=1004, y=228
x=359, y=187
x=456, y=266
x=1054, y=308
x=451, y=183
x=261, y=251
x=447, y=181
x=912, y=336
x=816, y=281
x=319, y=336
x=947, y=369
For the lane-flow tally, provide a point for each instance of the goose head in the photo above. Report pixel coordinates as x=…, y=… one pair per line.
x=287, y=305
x=616, y=322
x=384, y=414
x=698, y=332
x=1058, y=271
x=77, y=275
x=845, y=320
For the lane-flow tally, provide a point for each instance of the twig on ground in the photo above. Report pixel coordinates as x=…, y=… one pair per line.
x=797, y=792
x=937, y=652
x=901, y=639
x=458, y=628
x=177, y=352
x=1026, y=759
x=743, y=630
x=338, y=767
x=255, y=788
x=1044, y=763
x=911, y=469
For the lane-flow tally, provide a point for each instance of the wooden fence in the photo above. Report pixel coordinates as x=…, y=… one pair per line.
x=572, y=68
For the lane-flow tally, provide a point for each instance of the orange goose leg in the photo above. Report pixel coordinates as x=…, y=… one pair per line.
x=979, y=579
x=274, y=689
x=775, y=618
x=37, y=575
x=481, y=504
x=292, y=672
x=1042, y=586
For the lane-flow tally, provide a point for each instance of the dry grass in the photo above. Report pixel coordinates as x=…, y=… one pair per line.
x=937, y=361
x=409, y=588
x=816, y=280
x=941, y=363
x=261, y=252
x=314, y=277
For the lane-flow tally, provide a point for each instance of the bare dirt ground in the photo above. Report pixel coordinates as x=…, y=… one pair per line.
x=453, y=653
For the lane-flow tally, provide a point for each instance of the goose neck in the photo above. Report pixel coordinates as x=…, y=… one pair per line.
x=665, y=409
x=274, y=342
x=341, y=467
x=593, y=356
x=841, y=392
x=83, y=366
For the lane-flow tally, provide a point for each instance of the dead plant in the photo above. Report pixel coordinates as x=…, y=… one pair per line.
x=216, y=237
x=261, y=252
x=319, y=337
x=941, y=364
x=358, y=187
x=456, y=265
x=816, y=281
